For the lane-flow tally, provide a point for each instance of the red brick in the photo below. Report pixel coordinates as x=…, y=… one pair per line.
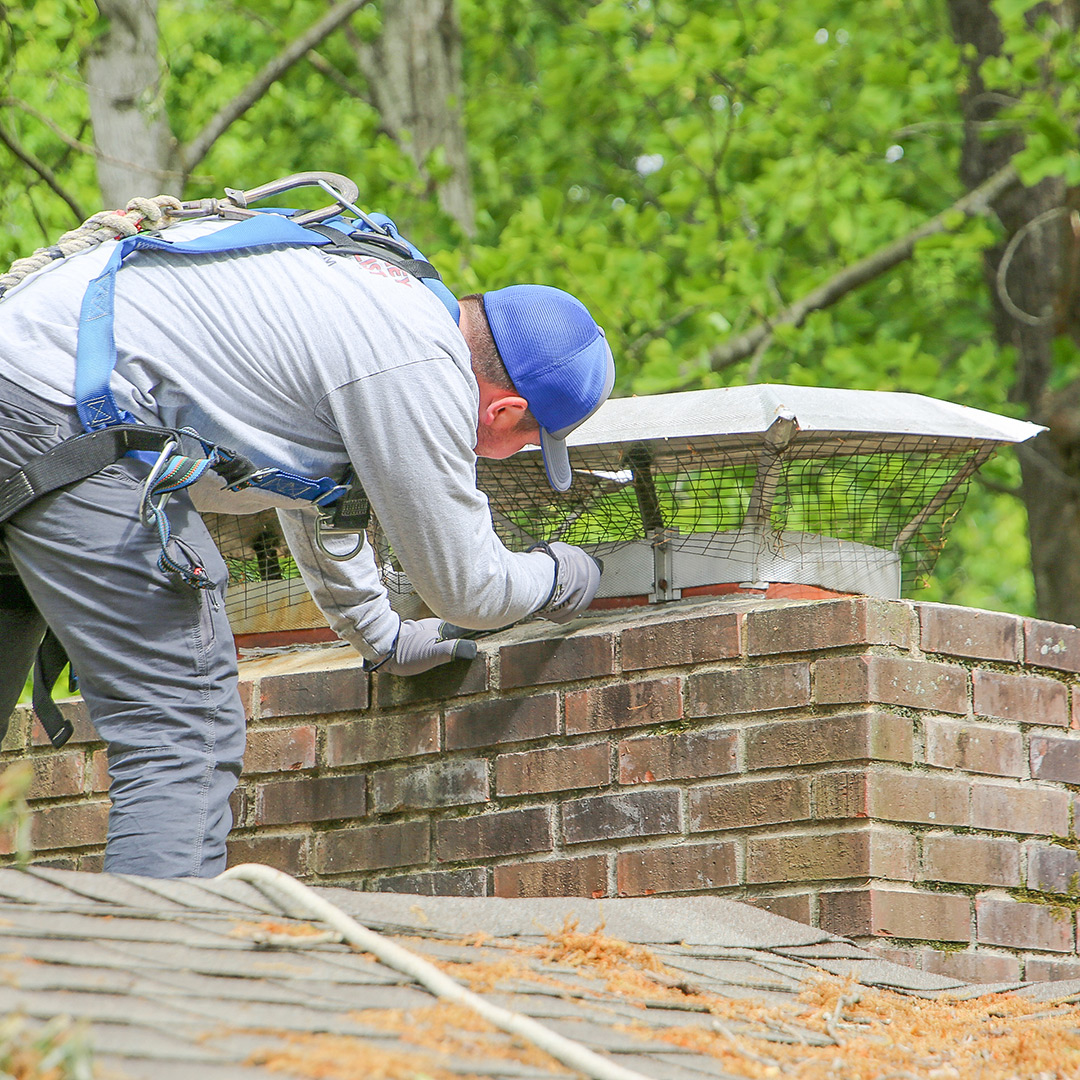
x=373, y=847
x=1018, y=925
x=828, y=624
x=305, y=799
x=239, y=803
x=313, y=693
x=839, y=795
x=553, y=660
x=974, y=748
x=279, y=750
x=58, y=862
x=918, y=797
x=922, y=916
x=56, y=775
x=796, y=906
x=93, y=863
x=75, y=711
x=1037, y=969
x=1051, y=645
x=748, y=690
x=891, y=680
x=971, y=860
x=77, y=825
x=286, y=853
x=99, y=771
x=1034, y=810
x=1030, y=699
x=1056, y=758
x=679, y=869
x=504, y=720
x=609, y=817
x=681, y=641
x=973, y=966
x=811, y=857
x=958, y=631
x=18, y=729
x=488, y=836
x=469, y=882
x=554, y=877
x=246, y=689
x=861, y=736
x=446, y=782
x=455, y=679
x=1053, y=869
x=687, y=755
x=382, y=738
x=747, y=803
x=622, y=705
x=558, y=768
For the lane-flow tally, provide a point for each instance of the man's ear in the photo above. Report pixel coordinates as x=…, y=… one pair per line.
x=502, y=411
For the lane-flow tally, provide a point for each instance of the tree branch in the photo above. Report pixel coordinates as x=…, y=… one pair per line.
x=43, y=170
x=851, y=277
x=55, y=128
x=200, y=146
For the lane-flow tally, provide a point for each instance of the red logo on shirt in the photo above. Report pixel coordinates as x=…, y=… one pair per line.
x=384, y=269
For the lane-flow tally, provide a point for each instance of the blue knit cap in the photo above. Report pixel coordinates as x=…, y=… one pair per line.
x=558, y=360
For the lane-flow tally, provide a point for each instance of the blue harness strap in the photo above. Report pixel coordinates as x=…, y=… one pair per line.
x=95, y=355
x=95, y=360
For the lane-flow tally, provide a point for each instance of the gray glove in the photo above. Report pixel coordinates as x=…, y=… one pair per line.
x=577, y=577
x=424, y=644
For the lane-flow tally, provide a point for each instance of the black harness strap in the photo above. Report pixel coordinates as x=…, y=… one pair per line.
x=51, y=661
x=365, y=243
x=67, y=463
x=76, y=459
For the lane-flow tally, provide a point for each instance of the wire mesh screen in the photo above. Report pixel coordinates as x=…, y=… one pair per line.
x=266, y=593
x=867, y=495
x=855, y=514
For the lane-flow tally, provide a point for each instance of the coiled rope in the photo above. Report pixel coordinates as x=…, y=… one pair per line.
x=140, y=215
x=570, y=1053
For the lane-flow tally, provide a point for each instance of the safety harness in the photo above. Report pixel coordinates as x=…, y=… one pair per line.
x=180, y=457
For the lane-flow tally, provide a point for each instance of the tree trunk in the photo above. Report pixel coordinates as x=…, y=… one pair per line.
x=135, y=150
x=1034, y=303
x=414, y=72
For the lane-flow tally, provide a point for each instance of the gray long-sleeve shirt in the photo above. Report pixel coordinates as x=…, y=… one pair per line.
x=306, y=361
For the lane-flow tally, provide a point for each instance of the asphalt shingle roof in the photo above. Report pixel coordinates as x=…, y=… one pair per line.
x=220, y=980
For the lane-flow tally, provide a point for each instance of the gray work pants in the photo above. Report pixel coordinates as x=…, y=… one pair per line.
x=155, y=658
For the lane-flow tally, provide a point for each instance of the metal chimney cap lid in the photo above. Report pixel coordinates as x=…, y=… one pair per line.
x=748, y=410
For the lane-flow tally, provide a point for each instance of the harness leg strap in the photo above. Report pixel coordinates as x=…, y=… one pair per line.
x=51, y=661
x=23, y=630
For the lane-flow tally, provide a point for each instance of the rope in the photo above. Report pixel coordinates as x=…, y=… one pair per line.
x=140, y=215
x=569, y=1053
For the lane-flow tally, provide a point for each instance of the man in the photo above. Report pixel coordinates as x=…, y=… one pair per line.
x=296, y=359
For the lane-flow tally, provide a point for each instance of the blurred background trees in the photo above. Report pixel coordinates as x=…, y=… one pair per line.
x=740, y=192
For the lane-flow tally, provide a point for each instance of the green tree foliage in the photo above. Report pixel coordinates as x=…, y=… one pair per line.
x=688, y=168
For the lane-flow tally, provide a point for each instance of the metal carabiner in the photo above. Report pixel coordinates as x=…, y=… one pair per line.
x=343, y=189
x=319, y=543
x=148, y=509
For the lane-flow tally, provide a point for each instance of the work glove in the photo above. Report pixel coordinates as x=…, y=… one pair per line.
x=423, y=644
x=577, y=577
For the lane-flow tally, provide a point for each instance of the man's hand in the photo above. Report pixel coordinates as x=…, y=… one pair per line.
x=424, y=644
x=577, y=577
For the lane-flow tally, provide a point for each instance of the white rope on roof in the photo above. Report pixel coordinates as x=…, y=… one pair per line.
x=570, y=1053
